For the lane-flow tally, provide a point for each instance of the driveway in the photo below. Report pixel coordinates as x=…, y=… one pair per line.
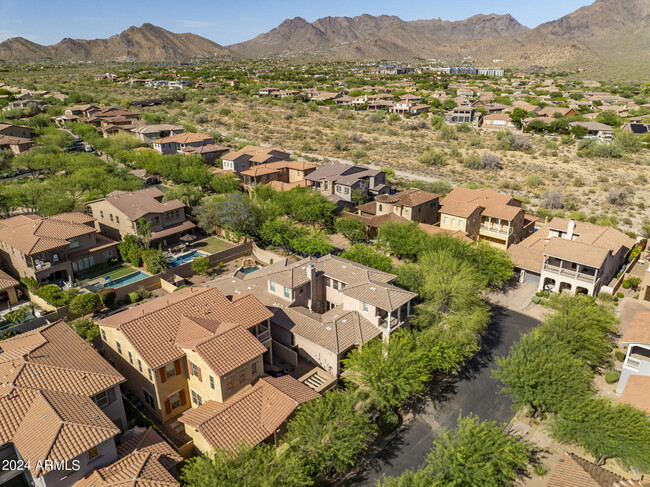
x=472, y=391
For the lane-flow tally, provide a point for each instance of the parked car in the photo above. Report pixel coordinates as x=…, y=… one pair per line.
x=152, y=180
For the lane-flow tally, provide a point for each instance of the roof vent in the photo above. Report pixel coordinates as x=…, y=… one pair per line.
x=373, y=288
x=328, y=328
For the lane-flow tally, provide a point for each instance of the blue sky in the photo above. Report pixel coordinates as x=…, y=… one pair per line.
x=228, y=21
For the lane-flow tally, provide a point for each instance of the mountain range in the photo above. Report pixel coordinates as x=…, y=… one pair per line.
x=608, y=34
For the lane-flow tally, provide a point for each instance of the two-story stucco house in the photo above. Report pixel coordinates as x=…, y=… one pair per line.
x=149, y=133
x=344, y=183
x=323, y=307
x=176, y=144
x=208, y=349
x=56, y=248
x=565, y=255
x=411, y=205
x=251, y=156
x=486, y=214
x=60, y=402
x=117, y=215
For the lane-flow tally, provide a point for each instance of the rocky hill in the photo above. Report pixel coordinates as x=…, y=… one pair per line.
x=145, y=43
x=612, y=35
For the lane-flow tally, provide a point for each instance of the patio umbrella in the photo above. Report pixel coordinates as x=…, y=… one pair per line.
x=188, y=238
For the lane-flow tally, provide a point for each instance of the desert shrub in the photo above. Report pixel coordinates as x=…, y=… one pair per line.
x=513, y=142
x=620, y=295
x=473, y=161
x=620, y=355
x=632, y=283
x=534, y=181
x=612, y=376
x=107, y=297
x=491, y=162
x=553, y=200
x=134, y=297
x=433, y=158
x=618, y=196
x=200, y=265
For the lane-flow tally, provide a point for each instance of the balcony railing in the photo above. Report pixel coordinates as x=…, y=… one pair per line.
x=383, y=323
x=497, y=230
x=264, y=336
x=581, y=276
x=633, y=363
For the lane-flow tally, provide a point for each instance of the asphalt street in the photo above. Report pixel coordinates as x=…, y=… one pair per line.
x=474, y=390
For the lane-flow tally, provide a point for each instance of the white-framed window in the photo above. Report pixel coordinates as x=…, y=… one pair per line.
x=364, y=307
x=149, y=399
x=102, y=400
x=139, y=365
x=196, y=398
x=453, y=222
x=119, y=347
x=117, y=219
x=195, y=369
x=103, y=335
x=287, y=292
x=272, y=286
x=170, y=370
x=211, y=382
x=130, y=357
x=150, y=374
x=446, y=220
x=175, y=400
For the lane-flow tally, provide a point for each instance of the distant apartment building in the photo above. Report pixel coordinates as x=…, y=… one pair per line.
x=345, y=184
x=252, y=156
x=204, y=366
x=324, y=307
x=60, y=402
x=485, y=214
x=569, y=256
x=57, y=248
x=117, y=214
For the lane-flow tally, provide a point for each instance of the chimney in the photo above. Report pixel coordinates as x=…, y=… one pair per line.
x=311, y=275
x=571, y=229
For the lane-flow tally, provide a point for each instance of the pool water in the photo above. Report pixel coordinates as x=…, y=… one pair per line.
x=182, y=259
x=124, y=280
x=248, y=270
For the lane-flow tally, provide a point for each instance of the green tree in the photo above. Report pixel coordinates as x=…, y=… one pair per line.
x=389, y=373
x=225, y=183
x=328, y=434
x=606, y=430
x=609, y=117
x=185, y=193
x=131, y=250
x=84, y=304
x=155, y=261
x=474, y=453
x=85, y=328
x=540, y=373
x=404, y=240
x=143, y=230
x=365, y=255
x=352, y=229
x=316, y=243
x=200, y=265
x=259, y=466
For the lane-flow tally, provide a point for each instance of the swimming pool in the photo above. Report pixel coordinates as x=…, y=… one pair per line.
x=248, y=270
x=182, y=259
x=124, y=280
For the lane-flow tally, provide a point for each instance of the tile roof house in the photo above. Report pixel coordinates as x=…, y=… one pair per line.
x=205, y=349
x=59, y=401
x=251, y=156
x=60, y=247
x=116, y=215
x=635, y=372
x=486, y=214
x=175, y=144
x=574, y=471
x=565, y=255
x=340, y=182
x=11, y=130
x=323, y=307
x=17, y=145
x=149, y=133
x=291, y=173
x=144, y=460
x=254, y=415
x=409, y=205
x=498, y=121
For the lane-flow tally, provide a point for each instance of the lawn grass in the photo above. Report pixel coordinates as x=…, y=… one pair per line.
x=212, y=245
x=121, y=270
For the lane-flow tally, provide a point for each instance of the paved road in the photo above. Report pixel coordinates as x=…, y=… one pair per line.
x=473, y=391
